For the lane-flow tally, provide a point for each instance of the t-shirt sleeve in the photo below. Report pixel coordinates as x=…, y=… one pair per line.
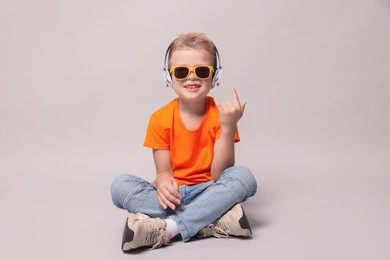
x=156, y=136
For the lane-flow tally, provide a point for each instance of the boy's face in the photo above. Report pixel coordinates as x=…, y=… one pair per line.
x=192, y=87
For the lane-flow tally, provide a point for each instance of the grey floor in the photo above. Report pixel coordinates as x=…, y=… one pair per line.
x=320, y=211
x=75, y=99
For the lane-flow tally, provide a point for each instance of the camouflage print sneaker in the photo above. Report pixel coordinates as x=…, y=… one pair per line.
x=144, y=231
x=233, y=223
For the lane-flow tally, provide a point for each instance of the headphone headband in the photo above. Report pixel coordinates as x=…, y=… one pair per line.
x=168, y=78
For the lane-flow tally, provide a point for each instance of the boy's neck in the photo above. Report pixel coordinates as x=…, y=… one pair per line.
x=194, y=107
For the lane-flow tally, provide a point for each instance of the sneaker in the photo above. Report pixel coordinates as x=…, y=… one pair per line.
x=233, y=223
x=144, y=231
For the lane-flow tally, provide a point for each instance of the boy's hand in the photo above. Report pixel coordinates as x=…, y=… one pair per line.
x=168, y=192
x=230, y=111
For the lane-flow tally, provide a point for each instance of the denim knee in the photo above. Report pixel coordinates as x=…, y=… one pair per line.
x=120, y=188
x=243, y=176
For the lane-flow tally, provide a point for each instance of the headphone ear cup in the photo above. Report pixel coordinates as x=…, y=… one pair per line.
x=167, y=77
x=216, y=77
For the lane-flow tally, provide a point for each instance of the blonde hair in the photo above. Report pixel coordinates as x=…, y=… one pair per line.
x=193, y=40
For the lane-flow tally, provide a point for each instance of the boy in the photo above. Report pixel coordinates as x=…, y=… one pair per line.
x=197, y=187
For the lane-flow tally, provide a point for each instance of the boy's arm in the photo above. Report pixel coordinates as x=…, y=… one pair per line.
x=223, y=153
x=167, y=188
x=229, y=114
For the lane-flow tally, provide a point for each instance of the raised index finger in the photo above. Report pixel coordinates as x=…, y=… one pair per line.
x=236, y=100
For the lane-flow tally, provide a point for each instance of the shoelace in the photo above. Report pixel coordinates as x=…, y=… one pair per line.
x=155, y=237
x=217, y=231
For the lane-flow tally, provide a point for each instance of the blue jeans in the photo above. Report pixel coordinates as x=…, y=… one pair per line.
x=201, y=204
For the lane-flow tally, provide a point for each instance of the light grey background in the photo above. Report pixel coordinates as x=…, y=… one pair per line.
x=79, y=80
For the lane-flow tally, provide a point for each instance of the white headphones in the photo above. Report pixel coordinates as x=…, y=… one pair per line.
x=168, y=78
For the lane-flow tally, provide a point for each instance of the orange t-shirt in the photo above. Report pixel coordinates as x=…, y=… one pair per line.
x=191, y=151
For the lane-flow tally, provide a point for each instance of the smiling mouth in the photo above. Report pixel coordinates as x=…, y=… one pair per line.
x=191, y=87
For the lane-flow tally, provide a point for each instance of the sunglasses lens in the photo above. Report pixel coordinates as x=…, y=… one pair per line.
x=202, y=72
x=181, y=72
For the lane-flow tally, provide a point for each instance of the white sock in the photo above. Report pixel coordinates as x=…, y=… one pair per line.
x=171, y=227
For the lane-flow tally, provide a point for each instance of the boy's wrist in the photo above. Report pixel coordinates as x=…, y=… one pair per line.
x=161, y=176
x=228, y=131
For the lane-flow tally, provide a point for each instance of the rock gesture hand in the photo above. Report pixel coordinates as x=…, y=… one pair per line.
x=230, y=111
